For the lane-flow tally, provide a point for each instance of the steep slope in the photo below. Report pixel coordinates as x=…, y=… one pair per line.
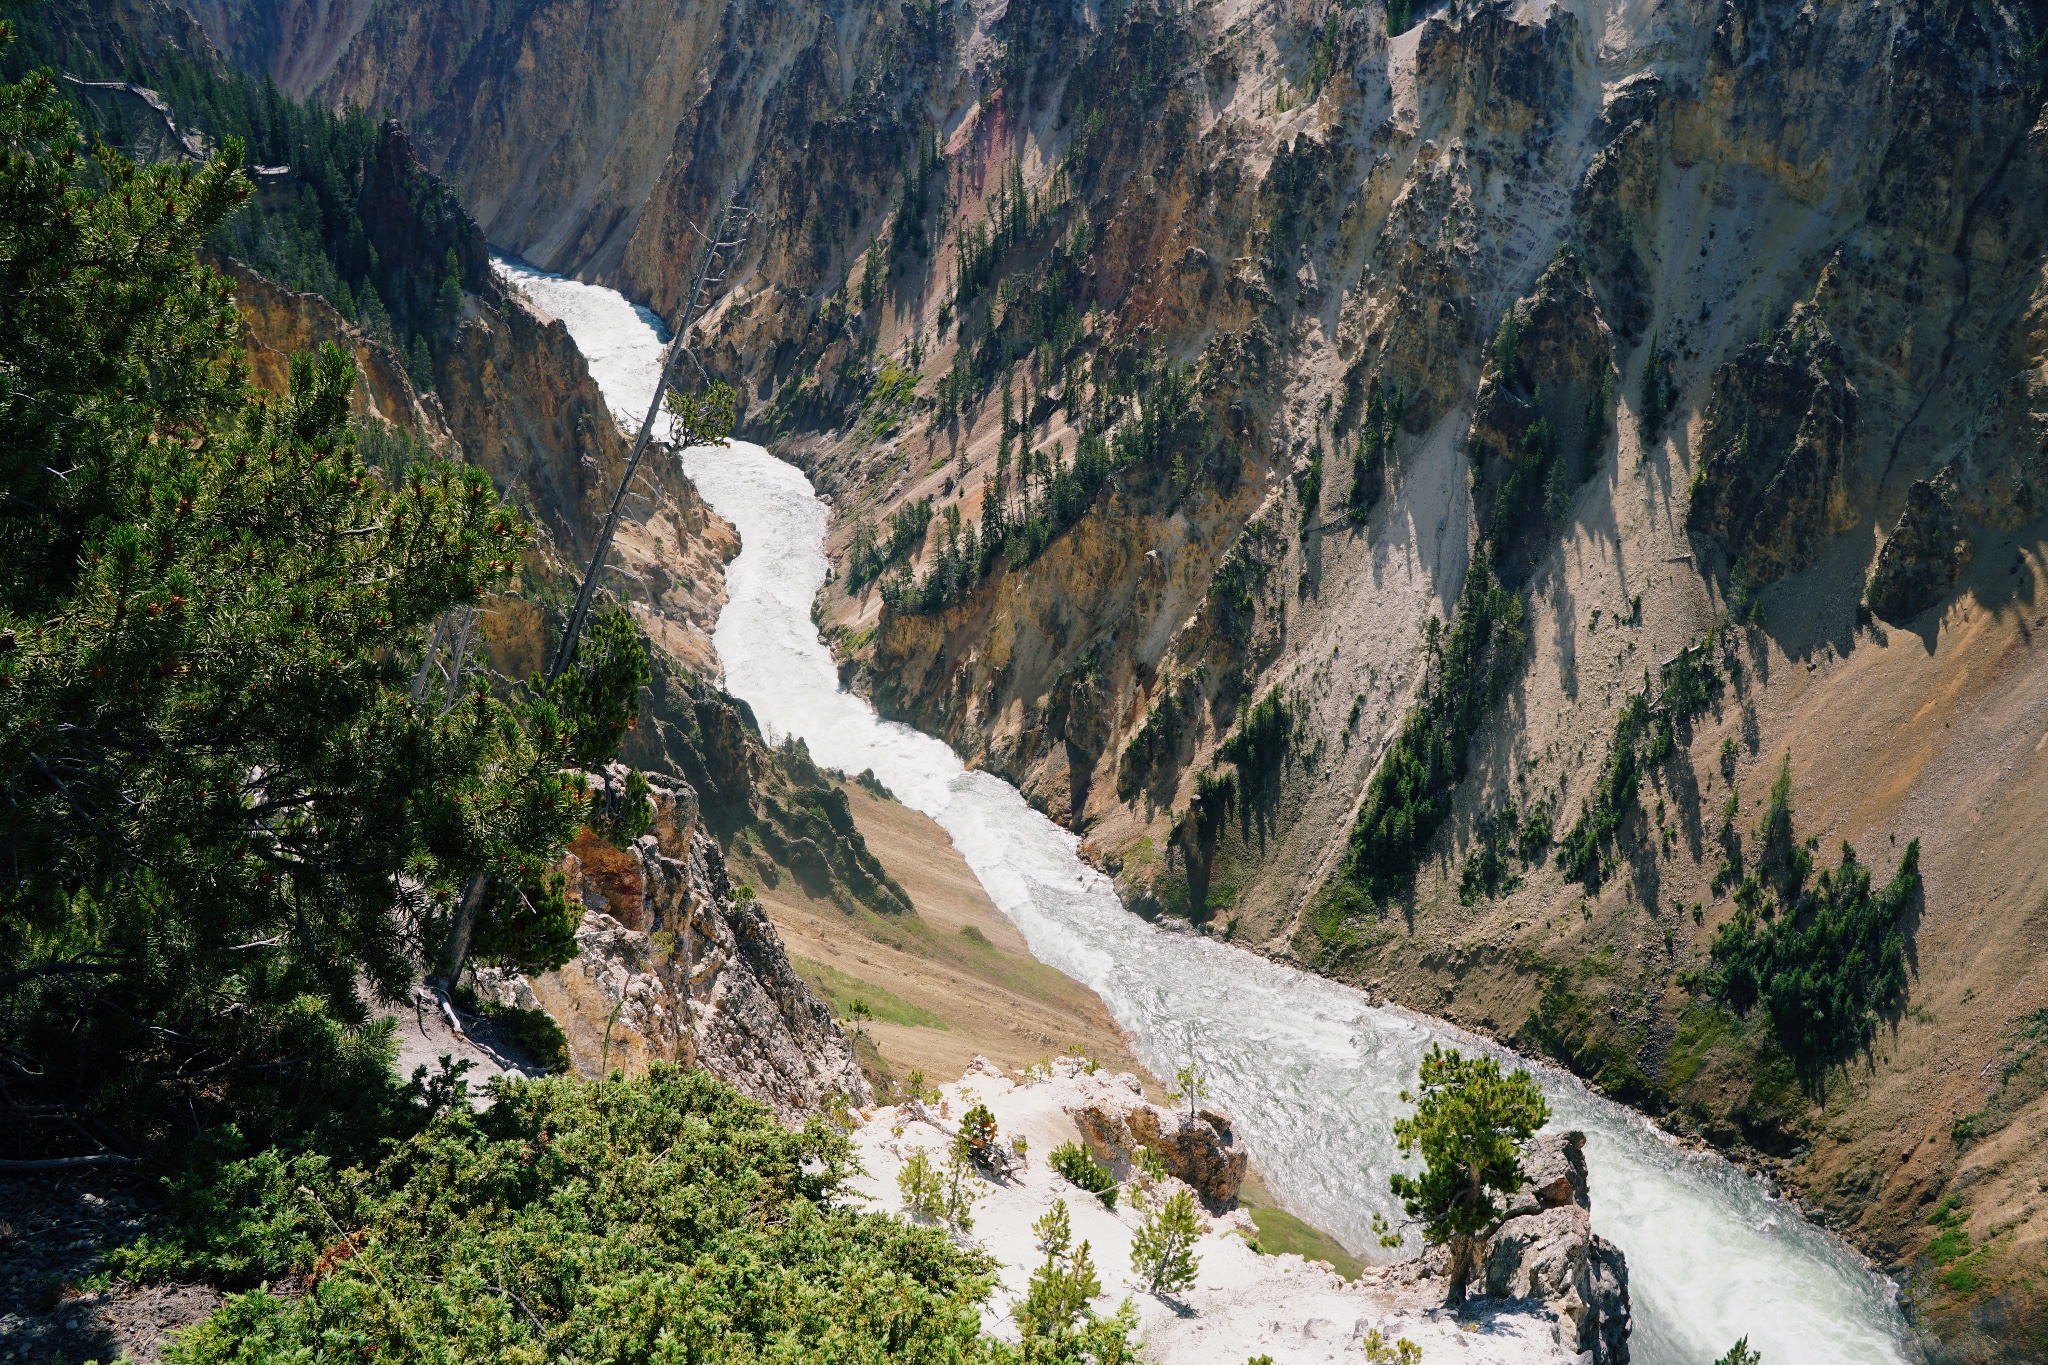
x=1216, y=297
x=704, y=971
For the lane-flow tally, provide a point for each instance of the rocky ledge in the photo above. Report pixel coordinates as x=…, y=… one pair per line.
x=1551, y=1291
x=671, y=968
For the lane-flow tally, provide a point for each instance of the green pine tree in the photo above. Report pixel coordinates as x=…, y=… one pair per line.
x=1162, y=1249
x=223, y=808
x=1470, y=1125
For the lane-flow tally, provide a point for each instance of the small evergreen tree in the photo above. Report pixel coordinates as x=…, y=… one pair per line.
x=978, y=1136
x=1162, y=1250
x=1470, y=1125
x=1380, y=1351
x=1190, y=1082
x=1740, y=1354
x=1060, y=1290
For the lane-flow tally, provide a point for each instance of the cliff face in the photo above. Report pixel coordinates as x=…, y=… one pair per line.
x=1786, y=378
x=278, y=323
x=672, y=968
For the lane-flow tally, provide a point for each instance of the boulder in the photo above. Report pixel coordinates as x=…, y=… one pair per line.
x=1198, y=1147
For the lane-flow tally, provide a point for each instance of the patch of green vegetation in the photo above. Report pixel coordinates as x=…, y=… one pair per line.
x=1258, y=745
x=1704, y=1029
x=1169, y=434
x=1566, y=1027
x=2022, y=1078
x=1072, y=1160
x=1822, y=956
x=892, y=395
x=1958, y=1264
x=1499, y=842
x=1282, y=1234
x=632, y=1219
x=1466, y=670
x=1311, y=481
x=841, y=989
x=868, y=556
x=1645, y=735
x=1660, y=391
x=329, y=228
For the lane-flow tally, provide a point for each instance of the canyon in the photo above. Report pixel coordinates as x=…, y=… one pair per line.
x=1346, y=383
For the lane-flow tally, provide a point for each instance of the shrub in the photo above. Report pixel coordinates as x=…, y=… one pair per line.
x=1072, y=1160
x=640, y=1219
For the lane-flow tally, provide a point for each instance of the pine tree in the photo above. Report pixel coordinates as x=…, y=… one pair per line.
x=223, y=807
x=1470, y=1124
x=1162, y=1249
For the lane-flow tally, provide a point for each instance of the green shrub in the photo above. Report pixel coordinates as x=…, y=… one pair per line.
x=1072, y=1160
x=659, y=1218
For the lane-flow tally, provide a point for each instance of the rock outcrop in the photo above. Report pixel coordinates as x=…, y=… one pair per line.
x=1924, y=553
x=277, y=323
x=1775, y=450
x=1547, y=1250
x=1197, y=1145
x=670, y=967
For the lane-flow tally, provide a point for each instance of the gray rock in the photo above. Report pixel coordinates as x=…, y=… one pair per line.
x=671, y=969
x=1547, y=1250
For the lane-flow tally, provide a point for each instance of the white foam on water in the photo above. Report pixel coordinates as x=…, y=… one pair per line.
x=1309, y=1069
x=621, y=342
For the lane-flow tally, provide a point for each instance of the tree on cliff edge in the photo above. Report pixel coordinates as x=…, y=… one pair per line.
x=1470, y=1125
x=221, y=810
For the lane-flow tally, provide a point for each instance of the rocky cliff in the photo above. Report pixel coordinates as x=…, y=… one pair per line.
x=674, y=967
x=1341, y=424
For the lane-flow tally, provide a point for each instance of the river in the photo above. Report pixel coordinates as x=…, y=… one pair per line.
x=1310, y=1070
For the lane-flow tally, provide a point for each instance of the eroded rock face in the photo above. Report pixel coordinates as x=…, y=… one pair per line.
x=1537, y=430
x=1775, y=450
x=669, y=968
x=1196, y=1145
x=278, y=323
x=1924, y=553
x=1547, y=1250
